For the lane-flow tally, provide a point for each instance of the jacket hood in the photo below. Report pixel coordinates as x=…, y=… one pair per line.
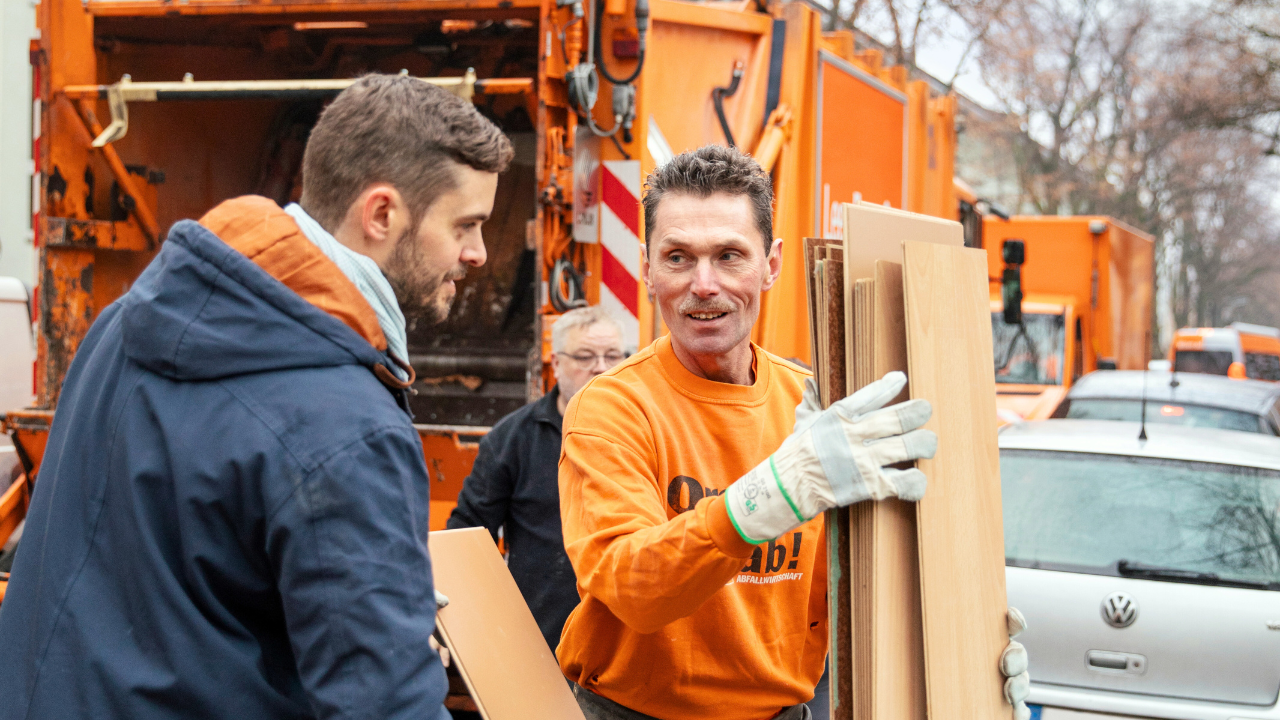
x=203, y=309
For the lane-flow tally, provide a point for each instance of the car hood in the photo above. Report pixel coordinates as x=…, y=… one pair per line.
x=1186, y=641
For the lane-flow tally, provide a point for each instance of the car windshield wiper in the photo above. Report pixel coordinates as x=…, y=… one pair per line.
x=1128, y=568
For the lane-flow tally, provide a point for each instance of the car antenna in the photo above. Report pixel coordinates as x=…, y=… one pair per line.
x=1142, y=419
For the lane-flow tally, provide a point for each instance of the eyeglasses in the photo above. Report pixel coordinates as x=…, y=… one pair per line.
x=587, y=360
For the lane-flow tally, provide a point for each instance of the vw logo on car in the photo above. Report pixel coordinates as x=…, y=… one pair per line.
x=1119, y=610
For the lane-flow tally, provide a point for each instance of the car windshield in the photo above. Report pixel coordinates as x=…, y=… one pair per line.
x=1164, y=413
x=1086, y=512
x=1029, y=353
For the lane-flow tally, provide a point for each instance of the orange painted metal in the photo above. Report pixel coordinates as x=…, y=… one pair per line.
x=450, y=453
x=29, y=430
x=295, y=10
x=91, y=250
x=146, y=216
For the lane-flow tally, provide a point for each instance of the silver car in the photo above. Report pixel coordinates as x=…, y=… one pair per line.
x=1149, y=571
x=1191, y=399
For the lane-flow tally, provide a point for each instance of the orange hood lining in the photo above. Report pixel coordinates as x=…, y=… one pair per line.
x=261, y=231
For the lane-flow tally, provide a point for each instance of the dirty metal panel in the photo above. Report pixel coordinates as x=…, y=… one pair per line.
x=90, y=234
x=66, y=311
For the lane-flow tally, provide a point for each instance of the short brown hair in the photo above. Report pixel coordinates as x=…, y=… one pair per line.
x=708, y=170
x=398, y=130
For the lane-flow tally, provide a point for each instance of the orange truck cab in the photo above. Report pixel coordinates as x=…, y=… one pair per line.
x=1087, y=285
x=1240, y=350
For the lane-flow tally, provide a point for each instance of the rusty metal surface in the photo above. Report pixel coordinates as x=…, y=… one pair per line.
x=29, y=430
x=66, y=312
x=94, y=234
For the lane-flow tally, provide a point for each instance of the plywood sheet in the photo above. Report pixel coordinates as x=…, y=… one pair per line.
x=875, y=232
x=492, y=636
x=960, y=527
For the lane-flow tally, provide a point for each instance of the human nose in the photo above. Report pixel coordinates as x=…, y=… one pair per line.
x=705, y=281
x=473, y=250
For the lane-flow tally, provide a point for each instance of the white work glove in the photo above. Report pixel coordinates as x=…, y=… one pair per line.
x=1013, y=665
x=835, y=457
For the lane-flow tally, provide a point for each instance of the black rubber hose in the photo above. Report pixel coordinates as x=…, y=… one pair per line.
x=642, y=30
x=717, y=98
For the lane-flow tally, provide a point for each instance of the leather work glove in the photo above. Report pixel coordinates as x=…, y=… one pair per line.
x=1013, y=665
x=835, y=457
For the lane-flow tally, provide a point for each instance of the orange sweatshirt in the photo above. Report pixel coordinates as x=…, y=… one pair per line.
x=680, y=618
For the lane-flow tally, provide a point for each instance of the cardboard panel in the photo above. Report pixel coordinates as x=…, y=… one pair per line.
x=960, y=527
x=500, y=653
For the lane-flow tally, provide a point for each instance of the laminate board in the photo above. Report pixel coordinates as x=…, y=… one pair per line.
x=491, y=635
x=883, y=544
x=875, y=232
x=861, y=524
x=959, y=521
x=897, y=689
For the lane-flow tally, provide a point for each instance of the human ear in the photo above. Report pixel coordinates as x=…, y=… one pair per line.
x=644, y=270
x=383, y=217
x=773, y=264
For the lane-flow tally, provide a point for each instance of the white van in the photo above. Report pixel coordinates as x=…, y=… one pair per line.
x=17, y=346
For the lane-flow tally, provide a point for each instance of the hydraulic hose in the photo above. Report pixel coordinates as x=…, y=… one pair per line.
x=717, y=98
x=642, y=31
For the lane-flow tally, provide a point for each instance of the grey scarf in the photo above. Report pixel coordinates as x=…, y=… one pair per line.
x=364, y=272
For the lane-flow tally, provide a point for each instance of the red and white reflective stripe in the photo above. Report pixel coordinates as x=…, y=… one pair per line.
x=36, y=121
x=620, y=246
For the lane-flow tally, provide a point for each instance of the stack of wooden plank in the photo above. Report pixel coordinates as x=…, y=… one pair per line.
x=916, y=590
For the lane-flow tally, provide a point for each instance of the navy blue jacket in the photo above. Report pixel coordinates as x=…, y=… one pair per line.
x=231, y=517
x=514, y=485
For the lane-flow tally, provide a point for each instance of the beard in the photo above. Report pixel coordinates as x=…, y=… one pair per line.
x=420, y=289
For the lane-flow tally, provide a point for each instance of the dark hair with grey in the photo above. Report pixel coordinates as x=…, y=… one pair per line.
x=398, y=130
x=708, y=170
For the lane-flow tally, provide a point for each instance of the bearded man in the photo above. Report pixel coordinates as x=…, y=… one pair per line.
x=231, y=517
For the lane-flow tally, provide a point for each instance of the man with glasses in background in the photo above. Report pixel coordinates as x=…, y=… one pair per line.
x=514, y=483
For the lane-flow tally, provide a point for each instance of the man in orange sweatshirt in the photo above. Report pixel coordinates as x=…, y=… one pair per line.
x=693, y=477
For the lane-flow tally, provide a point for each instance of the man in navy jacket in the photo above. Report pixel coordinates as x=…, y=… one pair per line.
x=515, y=484
x=231, y=516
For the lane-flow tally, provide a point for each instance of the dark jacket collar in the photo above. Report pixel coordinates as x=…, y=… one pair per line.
x=545, y=410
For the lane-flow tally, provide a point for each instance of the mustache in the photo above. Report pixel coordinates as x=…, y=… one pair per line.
x=694, y=305
x=457, y=273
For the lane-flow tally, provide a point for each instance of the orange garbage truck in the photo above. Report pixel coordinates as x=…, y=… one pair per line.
x=1084, y=286
x=151, y=111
